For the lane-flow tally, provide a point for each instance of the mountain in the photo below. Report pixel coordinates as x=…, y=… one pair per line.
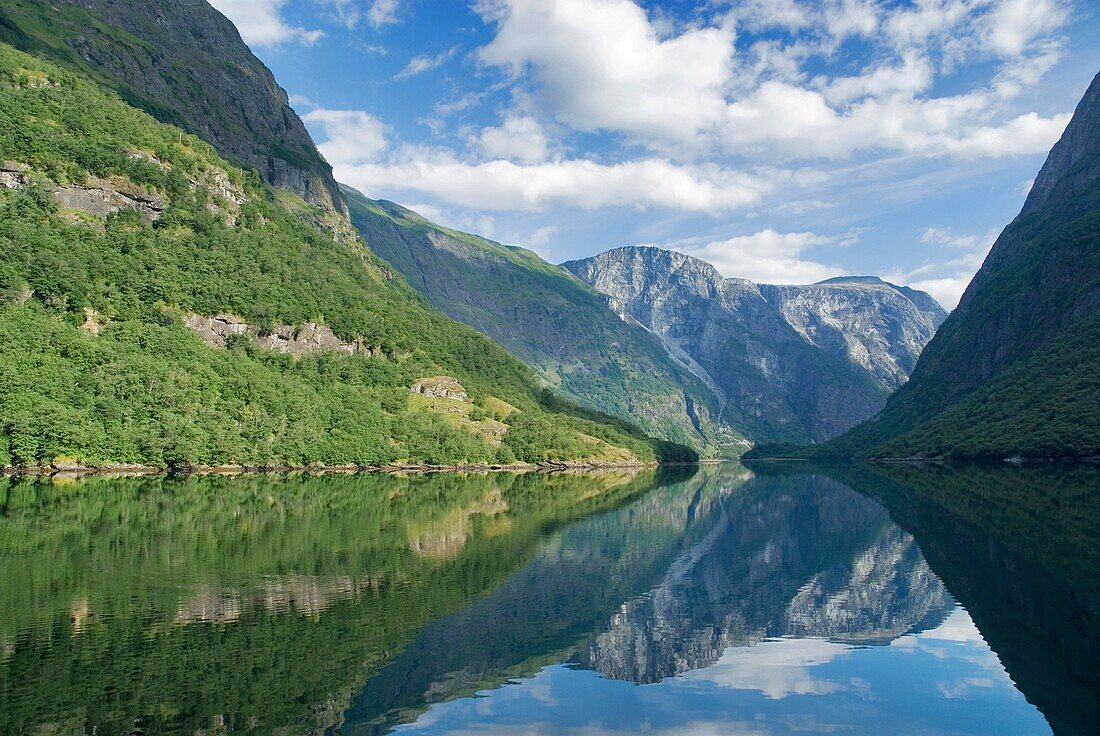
x=161, y=306
x=803, y=363
x=548, y=318
x=185, y=64
x=875, y=324
x=1015, y=369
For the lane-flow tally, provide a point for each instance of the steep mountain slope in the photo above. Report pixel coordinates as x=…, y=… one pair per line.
x=183, y=63
x=1021, y=332
x=875, y=324
x=160, y=306
x=549, y=319
x=788, y=362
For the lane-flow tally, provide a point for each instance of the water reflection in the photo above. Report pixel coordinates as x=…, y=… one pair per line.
x=766, y=601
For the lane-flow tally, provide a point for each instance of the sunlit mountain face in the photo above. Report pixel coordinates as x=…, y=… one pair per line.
x=785, y=142
x=689, y=602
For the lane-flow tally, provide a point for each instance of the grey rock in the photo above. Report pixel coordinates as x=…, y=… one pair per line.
x=101, y=198
x=305, y=339
x=789, y=363
x=441, y=387
x=875, y=324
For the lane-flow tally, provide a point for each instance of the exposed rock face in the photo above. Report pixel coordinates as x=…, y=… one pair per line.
x=878, y=326
x=98, y=197
x=189, y=68
x=441, y=387
x=304, y=339
x=797, y=363
x=102, y=198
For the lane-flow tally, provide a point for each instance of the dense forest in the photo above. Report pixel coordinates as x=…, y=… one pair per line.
x=99, y=365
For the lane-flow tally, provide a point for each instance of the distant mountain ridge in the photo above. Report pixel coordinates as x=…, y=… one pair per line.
x=824, y=356
x=803, y=362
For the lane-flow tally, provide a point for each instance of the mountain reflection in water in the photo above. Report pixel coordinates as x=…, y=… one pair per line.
x=766, y=601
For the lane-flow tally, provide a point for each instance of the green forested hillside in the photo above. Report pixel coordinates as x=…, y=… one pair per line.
x=184, y=63
x=1013, y=371
x=548, y=318
x=1047, y=405
x=98, y=366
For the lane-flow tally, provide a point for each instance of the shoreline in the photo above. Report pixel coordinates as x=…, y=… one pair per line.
x=128, y=470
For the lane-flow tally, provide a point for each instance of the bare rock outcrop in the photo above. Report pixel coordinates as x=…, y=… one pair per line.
x=298, y=340
x=442, y=387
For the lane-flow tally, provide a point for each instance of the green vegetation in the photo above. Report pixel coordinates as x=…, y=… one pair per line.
x=184, y=64
x=1045, y=406
x=99, y=368
x=551, y=320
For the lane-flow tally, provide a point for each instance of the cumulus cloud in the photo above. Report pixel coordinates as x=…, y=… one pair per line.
x=354, y=142
x=606, y=66
x=584, y=183
x=603, y=66
x=519, y=138
x=261, y=22
x=353, y=137
x=1014, y=24
x=766, y=257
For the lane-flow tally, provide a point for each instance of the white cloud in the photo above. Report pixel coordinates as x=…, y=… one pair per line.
x=383, y=13
x=260, y=22
x=539, y=241
x=1014, y=24
x=946, y=280
x=352, y=137
x=426, y=62
x=601, y=65
x=504, y=185
x=914, y=75
x=605, y=66
x=765, y=257
x=518, y=138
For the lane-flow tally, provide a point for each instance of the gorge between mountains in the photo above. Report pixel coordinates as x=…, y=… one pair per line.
x=281, y=456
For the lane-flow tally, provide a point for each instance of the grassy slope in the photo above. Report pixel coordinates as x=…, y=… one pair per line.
x=548, y=318
x=146, y=389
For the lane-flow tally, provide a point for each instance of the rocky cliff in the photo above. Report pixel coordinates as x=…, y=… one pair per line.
x=877, y=325
x=184, y=63
x=787, y=362
x=1021, y=340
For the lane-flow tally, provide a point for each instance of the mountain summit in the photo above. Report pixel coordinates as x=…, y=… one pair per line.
x=802, y=363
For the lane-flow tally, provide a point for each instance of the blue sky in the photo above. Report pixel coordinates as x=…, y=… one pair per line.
x=783, y=141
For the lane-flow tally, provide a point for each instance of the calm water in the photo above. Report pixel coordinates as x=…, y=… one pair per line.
x=723, y=601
